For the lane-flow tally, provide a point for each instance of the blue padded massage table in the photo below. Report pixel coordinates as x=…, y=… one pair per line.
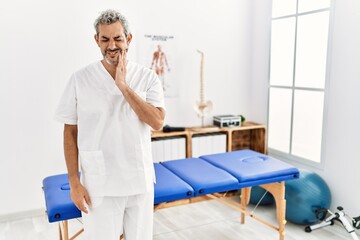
x=178, y=180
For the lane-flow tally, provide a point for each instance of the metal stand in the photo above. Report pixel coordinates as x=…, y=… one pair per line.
x=339, y=216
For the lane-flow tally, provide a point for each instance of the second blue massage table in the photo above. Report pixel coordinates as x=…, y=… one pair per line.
x=209, y=175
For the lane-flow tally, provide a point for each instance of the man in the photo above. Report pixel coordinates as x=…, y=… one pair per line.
x=107, y=109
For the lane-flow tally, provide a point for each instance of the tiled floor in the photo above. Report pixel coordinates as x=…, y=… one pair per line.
x=208, y=220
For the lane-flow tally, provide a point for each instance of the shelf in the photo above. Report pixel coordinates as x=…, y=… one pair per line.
x=248, y=136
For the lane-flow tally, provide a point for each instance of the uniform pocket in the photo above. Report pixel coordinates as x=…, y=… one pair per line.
x=93, y=171
x=144, y=152
x=92, y=162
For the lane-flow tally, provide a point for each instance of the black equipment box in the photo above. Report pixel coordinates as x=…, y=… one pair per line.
x=227, y=121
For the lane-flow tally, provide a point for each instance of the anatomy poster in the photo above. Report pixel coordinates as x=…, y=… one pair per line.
x=158, y=53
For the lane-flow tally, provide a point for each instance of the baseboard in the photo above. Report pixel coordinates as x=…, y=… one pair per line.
x=22, y=215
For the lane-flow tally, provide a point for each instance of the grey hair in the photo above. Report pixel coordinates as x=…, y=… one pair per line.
x=110, y=16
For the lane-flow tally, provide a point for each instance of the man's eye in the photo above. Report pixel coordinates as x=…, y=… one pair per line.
x=104, y=40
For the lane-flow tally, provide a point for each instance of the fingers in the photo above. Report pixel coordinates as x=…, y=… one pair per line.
x=122, y=60
x=80, y=204
x=81, y=199
x=82, y=207
x=120, y=65
x=85, y=202
x=121, y=69
x=87, y=199
x=124, y=57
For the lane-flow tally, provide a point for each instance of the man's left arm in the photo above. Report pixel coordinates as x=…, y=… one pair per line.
x=146, y=112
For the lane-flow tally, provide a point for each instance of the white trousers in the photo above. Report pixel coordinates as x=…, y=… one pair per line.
x=109, y=217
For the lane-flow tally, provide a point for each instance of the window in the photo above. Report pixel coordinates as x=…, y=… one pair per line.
x=299, y=43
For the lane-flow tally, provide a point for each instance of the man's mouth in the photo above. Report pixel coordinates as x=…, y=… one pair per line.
x=113, y=53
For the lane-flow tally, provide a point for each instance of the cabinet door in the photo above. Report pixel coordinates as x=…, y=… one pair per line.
x=165, y=149
x=204, y=144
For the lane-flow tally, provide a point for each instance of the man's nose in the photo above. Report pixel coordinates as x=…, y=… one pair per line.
x=112, y=44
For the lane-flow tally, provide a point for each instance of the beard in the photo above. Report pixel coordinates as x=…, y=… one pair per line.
x=111, y=56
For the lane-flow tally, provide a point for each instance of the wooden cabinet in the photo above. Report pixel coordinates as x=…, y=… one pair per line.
x=249, y=136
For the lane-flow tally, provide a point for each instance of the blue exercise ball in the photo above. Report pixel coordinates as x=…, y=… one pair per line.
x=257, y=194
x=304, y=195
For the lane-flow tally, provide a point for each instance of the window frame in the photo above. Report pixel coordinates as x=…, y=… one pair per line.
x=289, y=157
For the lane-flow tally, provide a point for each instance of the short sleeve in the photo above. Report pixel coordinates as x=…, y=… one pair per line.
x=155, y=93
x=66, y=111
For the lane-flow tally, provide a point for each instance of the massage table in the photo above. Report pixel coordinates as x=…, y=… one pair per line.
x=211, y=176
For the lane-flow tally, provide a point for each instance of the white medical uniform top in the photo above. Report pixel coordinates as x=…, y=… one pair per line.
x=114, y=145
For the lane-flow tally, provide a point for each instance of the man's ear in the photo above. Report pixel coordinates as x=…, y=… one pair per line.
x=96, y=37
x=129, y=38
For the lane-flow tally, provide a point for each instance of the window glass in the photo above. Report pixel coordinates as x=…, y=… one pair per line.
x=282, y=51
x=311, y=5
x=279, y=119
x=311, y=51
x=283, y=7
x=307, y=124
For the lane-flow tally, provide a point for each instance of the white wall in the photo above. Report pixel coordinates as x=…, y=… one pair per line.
x=341, y=160
x=260, y=55
x=221, y=30
x=342, y=169
x=43, y=42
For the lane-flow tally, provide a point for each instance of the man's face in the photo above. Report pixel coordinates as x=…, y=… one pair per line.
x=112, y=41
